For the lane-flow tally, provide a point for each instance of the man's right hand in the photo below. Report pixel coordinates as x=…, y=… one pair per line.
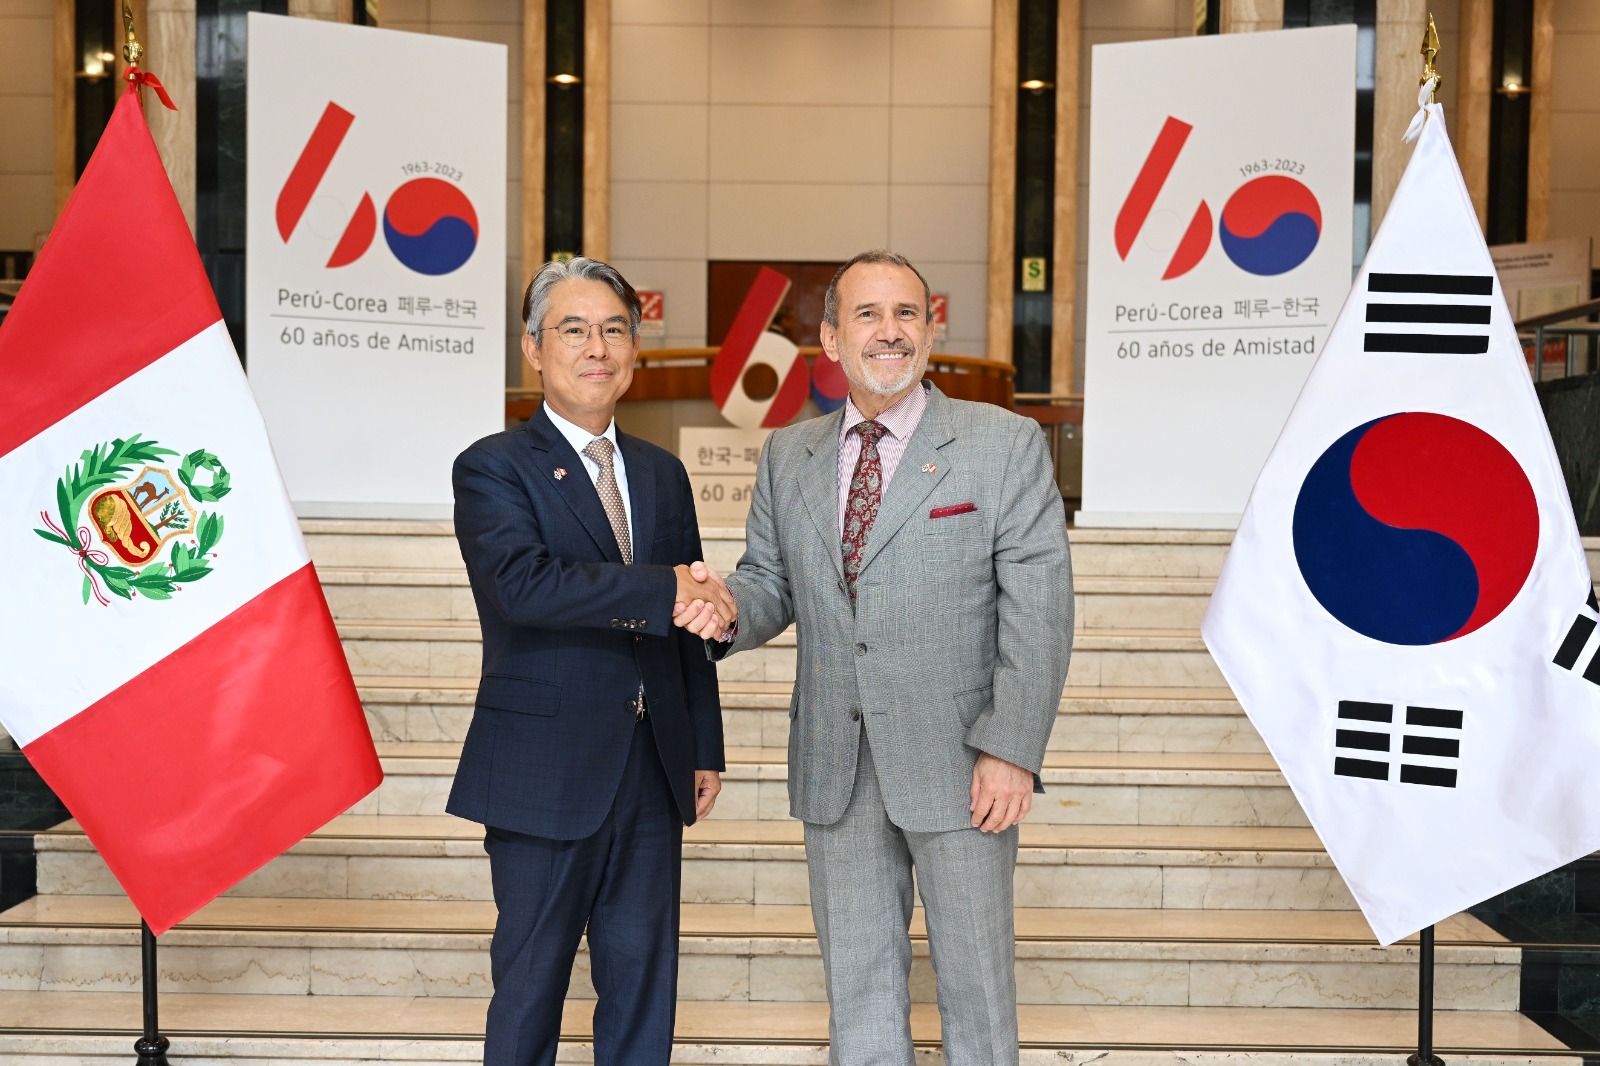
x=704, y=605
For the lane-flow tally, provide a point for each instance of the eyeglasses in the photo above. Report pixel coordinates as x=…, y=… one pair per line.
x=576, y=334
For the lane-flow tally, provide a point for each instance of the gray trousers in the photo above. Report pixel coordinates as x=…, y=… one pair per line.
x=860, y=870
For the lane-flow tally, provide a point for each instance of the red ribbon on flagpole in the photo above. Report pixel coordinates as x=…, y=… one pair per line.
x=136, y=76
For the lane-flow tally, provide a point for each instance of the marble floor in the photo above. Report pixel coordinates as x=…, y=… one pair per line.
x=787, y=831
x=1235, y=1028
x=735, y=920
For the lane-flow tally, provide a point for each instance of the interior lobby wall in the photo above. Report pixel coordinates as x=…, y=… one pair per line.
x=500, y=22
x=1574, y=87
x=800, y=130
x=1110, y=22
x=27, y=113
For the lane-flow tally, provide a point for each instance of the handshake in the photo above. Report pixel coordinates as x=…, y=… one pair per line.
x=704, y=605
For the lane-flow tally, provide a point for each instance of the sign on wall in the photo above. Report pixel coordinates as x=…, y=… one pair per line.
x=376, y=259
x=1221, y=181
x=1540, y=278
x=652, y=314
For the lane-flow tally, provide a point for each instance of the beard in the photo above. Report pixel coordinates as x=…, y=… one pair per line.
x=859, y=370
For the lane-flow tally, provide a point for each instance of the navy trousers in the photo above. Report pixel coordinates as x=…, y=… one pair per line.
x=622, y=885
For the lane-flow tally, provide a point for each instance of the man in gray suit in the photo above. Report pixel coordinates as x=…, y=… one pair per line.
x=919, y=545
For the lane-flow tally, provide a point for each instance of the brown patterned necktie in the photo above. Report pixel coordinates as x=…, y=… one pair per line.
x=599, y=450
x=861, y=506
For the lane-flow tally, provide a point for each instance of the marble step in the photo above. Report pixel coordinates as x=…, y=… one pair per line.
x=756, y=714
x=762, y=862
x=757, y=954
x=1097, y=788
x=395, y=543
x=72, y=1028
x=1131, y=553
x=1095, y=553
x=1105, y=657
x=1107, y=553
x=426, y=595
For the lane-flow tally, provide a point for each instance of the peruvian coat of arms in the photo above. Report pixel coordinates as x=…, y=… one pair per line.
x=121, y=505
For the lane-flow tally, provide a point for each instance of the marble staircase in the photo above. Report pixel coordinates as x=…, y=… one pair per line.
x=1170, y=893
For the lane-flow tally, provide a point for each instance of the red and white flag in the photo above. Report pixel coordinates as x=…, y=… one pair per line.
x=170, y=665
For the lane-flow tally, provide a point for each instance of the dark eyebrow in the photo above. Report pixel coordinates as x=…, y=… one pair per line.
x=899, y=306
x=585, y=322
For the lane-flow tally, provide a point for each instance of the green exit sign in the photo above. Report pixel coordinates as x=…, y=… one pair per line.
x=1034, y=275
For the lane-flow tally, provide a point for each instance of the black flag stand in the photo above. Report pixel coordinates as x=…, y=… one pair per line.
x=152, y=1046
x=1425, y=1055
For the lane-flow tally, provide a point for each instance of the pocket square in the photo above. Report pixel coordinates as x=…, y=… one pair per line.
x=952, y=510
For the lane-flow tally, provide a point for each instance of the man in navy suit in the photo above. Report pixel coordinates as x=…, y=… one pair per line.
x=597, y=734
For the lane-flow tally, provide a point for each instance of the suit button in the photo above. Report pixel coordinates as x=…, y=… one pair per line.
x=855, y=714
x=637, y=639
x=842, y=588
x=616, y=621
x=861, y=649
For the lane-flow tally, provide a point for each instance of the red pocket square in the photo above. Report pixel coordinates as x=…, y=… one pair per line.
x=952, y=509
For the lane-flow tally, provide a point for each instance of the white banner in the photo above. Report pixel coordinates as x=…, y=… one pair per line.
x=1221, y=182
x=376, y=259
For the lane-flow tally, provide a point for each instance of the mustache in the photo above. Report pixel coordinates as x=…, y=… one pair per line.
x=884, y=349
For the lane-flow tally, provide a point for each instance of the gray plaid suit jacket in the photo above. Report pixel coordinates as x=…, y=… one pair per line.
x=962, y=629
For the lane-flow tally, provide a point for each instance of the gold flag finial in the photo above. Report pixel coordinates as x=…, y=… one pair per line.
x=1430, y=49
x=132, y=51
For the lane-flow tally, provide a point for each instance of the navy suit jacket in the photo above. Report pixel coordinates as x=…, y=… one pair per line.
x=569, y=632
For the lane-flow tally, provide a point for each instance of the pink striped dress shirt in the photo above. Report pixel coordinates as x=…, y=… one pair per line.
x=900, y=421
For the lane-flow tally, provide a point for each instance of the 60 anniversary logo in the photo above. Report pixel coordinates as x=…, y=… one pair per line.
x=428, y=223
x=1269, y=226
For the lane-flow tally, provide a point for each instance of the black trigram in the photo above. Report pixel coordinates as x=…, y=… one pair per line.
x=1356, y=733
x=1429, y=314
x=1572, y=645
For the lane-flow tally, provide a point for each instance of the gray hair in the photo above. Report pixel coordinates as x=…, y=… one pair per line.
x=830, y=299
x=536, y=300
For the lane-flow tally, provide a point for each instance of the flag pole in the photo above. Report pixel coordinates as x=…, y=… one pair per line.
x=152, y=1046
x=1425, y=1055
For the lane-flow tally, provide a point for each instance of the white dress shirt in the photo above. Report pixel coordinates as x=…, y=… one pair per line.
x=579, y=438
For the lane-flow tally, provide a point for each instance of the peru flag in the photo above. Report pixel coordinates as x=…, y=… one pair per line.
x=171, y=668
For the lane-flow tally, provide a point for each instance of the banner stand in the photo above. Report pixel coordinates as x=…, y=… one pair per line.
x=1425, y=1055
x=152, y=1046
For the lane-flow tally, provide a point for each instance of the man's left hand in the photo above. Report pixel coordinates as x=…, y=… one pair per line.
x=707, y=784
x=1002, y=794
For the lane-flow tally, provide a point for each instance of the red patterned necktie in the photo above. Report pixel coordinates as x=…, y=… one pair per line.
x=861, y=506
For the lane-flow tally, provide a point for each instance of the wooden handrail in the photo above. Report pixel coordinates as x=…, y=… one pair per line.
x=685, y=374
x=657, y=356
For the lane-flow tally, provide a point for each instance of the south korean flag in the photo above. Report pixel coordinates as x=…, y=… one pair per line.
x=1406, y=613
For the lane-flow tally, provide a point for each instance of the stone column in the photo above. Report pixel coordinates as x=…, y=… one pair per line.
x=1401, y=26
x=168, y=36
x=1251, y=16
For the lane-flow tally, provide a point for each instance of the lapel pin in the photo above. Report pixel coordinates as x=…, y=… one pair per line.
x=929, y=468
x=561, y=472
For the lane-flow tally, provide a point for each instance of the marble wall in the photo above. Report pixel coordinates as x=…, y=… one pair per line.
x=1111, y=22
x=1574, y=85
x=750, y=129
x=27, y=111
x=499, y=22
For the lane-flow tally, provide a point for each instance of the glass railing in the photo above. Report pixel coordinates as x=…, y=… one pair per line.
x=1562, y=344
